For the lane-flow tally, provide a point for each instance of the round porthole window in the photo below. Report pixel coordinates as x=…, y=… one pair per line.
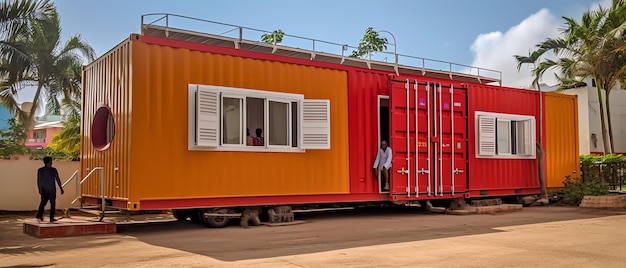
x=102, y=128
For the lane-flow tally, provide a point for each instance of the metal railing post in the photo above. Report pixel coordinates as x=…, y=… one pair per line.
x=78, y=191
x=167, y=25
x=102, y=189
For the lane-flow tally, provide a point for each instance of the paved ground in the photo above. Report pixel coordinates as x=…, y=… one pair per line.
x=546, y=236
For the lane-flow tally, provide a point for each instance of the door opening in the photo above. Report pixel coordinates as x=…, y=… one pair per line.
x=383, y=134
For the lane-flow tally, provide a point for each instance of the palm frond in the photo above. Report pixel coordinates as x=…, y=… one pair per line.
x=17, y=13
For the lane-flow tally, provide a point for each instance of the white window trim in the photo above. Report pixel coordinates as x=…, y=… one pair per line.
x=287, y=98
x=506, y=117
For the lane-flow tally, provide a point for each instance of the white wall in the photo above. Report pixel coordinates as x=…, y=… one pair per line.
x=18, y=184
x=589, y=118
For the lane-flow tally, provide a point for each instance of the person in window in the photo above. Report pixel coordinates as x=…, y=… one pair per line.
x=258, y=141
x=250, y=139
x=383, y=162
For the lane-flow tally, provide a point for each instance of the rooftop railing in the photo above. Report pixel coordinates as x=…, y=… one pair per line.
x=313, y=45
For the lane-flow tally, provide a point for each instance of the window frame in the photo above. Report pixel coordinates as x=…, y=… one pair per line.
x=242, y=119
x=513, y=141
x=510, y=137
x=289, y=122
x=242, y=93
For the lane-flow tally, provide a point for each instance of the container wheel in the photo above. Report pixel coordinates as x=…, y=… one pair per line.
x=181, y=215
x=214, y=222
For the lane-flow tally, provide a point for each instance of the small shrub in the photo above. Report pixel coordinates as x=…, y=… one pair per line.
x=575, y=189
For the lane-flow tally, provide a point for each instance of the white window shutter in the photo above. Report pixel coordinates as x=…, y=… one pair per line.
x=486, y=135
x=207, y=120
x=315, y=130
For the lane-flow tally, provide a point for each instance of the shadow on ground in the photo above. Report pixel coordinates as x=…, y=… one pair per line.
x=340, y=230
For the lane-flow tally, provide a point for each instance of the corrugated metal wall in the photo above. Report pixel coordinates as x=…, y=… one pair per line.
x=107, y=81
x=365, y=87
x=163, y=167
x=500, y=174
x=561, y=128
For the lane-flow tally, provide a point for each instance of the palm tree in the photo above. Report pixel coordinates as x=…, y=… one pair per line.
x=588, y=49
x=63, y=89
x=15, y=18
x=47, y=63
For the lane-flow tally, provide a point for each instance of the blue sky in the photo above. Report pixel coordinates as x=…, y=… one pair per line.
x=483, y=33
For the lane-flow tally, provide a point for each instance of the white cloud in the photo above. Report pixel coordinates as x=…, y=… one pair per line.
x=604, y=3
x=495, y=50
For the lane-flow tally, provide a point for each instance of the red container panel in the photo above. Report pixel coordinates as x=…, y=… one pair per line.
x=501, y=176
x=364, y=87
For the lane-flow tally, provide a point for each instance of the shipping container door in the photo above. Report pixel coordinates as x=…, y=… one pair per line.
x=449, y=140
x=402, y=138
x=434, y=164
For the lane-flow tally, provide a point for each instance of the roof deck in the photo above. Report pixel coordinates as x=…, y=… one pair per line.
x=245, y=38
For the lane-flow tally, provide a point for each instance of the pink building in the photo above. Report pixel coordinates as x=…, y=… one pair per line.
x=41, y=135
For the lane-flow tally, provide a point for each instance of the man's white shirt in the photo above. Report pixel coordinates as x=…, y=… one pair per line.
x=383, y=157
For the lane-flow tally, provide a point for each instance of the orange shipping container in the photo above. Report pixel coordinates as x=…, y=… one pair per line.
x=561, y=141
x=143, y=143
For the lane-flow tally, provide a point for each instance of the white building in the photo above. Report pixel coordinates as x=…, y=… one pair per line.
x=589, y=126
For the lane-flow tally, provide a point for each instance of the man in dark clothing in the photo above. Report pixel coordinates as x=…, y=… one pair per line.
x=46, y=178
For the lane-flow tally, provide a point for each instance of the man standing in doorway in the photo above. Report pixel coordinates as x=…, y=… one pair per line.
x=383, y=162
x=47, y=176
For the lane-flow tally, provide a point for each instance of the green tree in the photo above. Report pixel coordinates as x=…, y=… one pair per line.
x=11, y=140
x=69, y=137
x=46, y=62
x=275, y=37
x=589, y=48
x=369, y=44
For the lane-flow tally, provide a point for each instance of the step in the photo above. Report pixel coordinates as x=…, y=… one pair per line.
x=67, y=227
x=498, y=208
x=320, y=209
x=459, y=212
x=282, y=223
x=97, y=212
x=437, y=210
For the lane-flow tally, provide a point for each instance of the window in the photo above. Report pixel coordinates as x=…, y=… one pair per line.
x=294, y=124
x=279, y=123
x=255, y=116
x=232, y=121
x=505, y=135
x=39, y=135
x=235, y=119
x=102, y=128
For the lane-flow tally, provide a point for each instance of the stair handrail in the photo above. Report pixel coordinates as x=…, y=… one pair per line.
x=74, y=176
x=79, y=183
x=101, y=185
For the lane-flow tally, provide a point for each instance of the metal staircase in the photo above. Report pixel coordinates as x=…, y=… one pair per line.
x=99, y=211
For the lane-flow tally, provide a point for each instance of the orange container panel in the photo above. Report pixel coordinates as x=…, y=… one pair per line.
x=164, y=168
x=106, y=82
x=562, y=154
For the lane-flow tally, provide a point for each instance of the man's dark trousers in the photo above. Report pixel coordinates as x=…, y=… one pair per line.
x=45, y=197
